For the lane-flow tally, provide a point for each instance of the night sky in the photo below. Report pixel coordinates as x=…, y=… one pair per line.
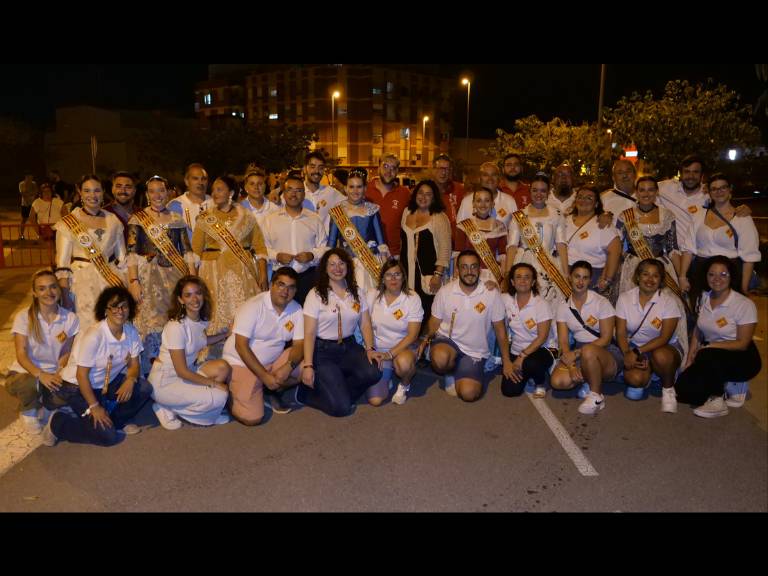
x=500, y=93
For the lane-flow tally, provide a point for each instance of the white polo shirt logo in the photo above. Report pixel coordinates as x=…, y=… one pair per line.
x=722, y=321
x=480, y=307
x=397, y=314
x=289, y=325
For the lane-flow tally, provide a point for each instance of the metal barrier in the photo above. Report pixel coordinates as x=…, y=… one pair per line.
x=16, y=252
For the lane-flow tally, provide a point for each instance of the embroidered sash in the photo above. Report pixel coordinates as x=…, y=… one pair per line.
x=162, y=241
x=358, y=245
x=644, y=252
x=528, y=233
x=82, y=236
x=481, y=247
x=224, y=237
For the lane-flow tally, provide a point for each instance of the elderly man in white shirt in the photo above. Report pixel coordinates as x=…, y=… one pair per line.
x=195, y=199
x=621, y=196
x=295, y=237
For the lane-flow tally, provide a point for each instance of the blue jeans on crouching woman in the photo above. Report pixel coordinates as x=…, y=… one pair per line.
x=80, y=429
x=342, y=375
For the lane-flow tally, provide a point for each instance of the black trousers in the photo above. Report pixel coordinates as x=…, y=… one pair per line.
x=535, y=366
x=305, y=283
x=712, y=368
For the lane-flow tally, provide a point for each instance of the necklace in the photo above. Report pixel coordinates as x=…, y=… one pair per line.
x=647, y=210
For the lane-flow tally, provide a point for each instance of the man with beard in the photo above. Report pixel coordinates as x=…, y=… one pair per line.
x=392, y=199
x=319, y=197
x=195, y=199
x=124, y=192
x=504, y=205
x=462, y=314
x=512, y=183
x=452, y=192
x=295, y=236
x=620, y=197
x=562, y=195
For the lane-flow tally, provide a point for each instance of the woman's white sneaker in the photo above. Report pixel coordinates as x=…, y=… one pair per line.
x=668, y=400
x=167, y=418
x=592, y=404
x=401, y=395
x=712, y=408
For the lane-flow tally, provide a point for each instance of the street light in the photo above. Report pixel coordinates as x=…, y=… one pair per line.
x=468, y=84
x=335, y=95
x=424, y=138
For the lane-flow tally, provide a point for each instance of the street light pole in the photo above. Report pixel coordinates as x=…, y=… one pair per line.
x=468, y=84
x=424, y=139
x=335, y=95
x=600, y=101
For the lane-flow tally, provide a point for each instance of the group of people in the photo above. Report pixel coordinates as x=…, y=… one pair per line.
x=204, y=303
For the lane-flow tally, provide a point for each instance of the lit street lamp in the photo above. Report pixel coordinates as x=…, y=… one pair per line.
x=468, y=84
x=424, y=138
x=335, y=95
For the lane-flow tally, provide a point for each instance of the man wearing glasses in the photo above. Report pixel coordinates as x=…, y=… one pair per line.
x=391, y=197
x=124, y=192
x=257, y=351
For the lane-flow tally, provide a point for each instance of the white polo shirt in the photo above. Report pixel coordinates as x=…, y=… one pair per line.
x=616, y=203
x=563, y=207
x=589, y=243
x=266, y=329
x=93, y=349
x=720, y=324
x=660, y=307
x=474, y=315
x=524, y=322
x=304, y=233
x=186, y=335
x=390, y=322
x=45, y=354
x=720, y=241
x=260, y=213
x=322, y=201
x=504, y=206
x=595, y=308
x=327, y=315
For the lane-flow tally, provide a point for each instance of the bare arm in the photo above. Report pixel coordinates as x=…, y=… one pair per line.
x=744, y=333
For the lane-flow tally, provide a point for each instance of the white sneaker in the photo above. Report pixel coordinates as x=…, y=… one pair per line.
x=49, y=439
x=668, y=400
x=131, y=429
x=540, y=392
x=736, y=394
x=401, y=395
x=450, y=386
x=712, y=408
x=167, y=418
x=31, y=424
x=592, y=404
x=583, y=390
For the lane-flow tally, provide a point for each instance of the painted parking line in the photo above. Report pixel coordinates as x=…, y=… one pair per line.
x=581, y=462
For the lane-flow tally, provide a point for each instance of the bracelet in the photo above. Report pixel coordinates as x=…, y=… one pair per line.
x=440, y=273
x=307, y=366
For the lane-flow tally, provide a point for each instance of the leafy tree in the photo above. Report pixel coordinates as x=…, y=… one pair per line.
x=702, y=119
x=546, y=145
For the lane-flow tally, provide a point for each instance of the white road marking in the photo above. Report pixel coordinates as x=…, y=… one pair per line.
x=583, y=465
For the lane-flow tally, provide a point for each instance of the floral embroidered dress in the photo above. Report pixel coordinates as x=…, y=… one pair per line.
x=157, y=275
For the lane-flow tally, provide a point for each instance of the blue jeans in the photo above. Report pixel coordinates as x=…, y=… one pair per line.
x=80, y=429
x=342, y=375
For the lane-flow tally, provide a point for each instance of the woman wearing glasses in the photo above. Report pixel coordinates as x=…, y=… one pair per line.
x=101, y=382
x=89, y=241
x=159, y=254
x=718, y=230
x=722, y=348
x=396, y=315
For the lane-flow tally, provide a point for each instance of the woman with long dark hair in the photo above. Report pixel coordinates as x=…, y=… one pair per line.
x=337, y=370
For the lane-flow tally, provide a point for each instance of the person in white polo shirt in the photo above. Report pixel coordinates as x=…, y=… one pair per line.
x=180, y=388
x=336, y=370
x=255, y=185
x=396, y=316
x=43, y=335
x=600, y=247
x=462, y=315
x=722, y=348
x=650, y=333
x=529, y=317
x=101, y=382
x=594, y=358
x=257, y=351
x=320, y=198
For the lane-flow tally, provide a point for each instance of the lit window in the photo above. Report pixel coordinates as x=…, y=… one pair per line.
x=234, y=113
x=242, y=114
x=405, y=133
x=207, y=99
x=273, y=116
x=390, y=87
x=377, y=91
x=273, y=92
